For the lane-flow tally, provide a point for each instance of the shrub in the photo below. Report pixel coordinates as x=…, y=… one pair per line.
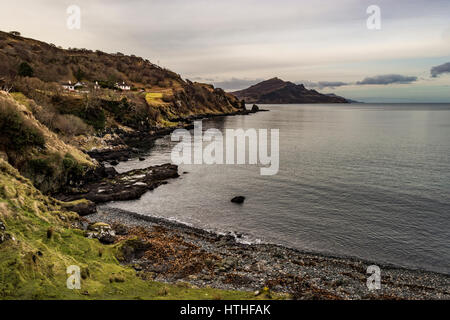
x=72, y=167
x=25, y=70
x=41, y=166
x=17, y=133
x=70, y=125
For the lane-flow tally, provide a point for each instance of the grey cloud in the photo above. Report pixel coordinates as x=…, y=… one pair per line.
x=387, y=79
x=324, y=84
x=236, y=83
x=438, y=70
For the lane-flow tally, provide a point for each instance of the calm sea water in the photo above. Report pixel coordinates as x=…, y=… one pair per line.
x=365, y=180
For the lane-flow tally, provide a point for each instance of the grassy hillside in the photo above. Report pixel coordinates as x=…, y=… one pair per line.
x=158, y=95
x=44, y=133
x=36, y=151
x=45, y=127
x=38, y=241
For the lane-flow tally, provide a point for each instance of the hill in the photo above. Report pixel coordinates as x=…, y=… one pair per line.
x=157, y=96
x=49, y=123
x=278, y=91
x=46, y=133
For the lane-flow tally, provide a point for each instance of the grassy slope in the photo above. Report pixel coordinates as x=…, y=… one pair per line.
x=32, y=266
x=52, y=65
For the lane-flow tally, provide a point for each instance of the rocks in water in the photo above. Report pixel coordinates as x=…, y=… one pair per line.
x=124, y=186
x=238, y=199
x=141, y=158
x=99, y=173
x=114, y=163
x=83, y=207
x=255, y=108
x=111, y=154
x=101, y=231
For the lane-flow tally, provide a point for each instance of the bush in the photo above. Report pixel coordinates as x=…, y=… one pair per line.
x=17, y=133
x=70, y=125
x=41, y=166
x=25, y=70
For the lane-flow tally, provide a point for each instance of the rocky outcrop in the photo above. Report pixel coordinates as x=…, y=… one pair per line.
x=125, y=186
x=83, y=207
x=101, y=231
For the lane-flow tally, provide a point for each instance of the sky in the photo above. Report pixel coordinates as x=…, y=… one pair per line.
x=324, y=44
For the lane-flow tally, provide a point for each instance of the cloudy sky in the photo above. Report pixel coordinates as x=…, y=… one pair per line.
x=324, y=44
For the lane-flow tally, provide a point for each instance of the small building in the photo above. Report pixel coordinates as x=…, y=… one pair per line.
x=68, y=86
x=79, y=85
x=123, y=86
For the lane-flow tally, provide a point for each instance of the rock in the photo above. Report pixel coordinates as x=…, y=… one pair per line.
x=238, y=199
x=5, y=237
x=129, y=185
x=82, y=207
x=141, y=158
x=120, y=229
x=2, y=226
x=101, y=231
x=114, y=163
x=228, y=263
x=255, y=108
x=132, y=249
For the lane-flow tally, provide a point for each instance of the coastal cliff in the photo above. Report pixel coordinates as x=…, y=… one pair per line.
x=81, y=104
x=56, y=107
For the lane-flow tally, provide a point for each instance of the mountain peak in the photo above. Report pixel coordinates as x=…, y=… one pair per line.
x=275, y=90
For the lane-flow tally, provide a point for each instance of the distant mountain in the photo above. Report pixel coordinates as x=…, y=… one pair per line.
x=276, y=90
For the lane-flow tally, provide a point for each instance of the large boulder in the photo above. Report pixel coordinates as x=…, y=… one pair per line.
x=101, y=231
x=83, y=207
x=238, y=199
x=132, y=249
x=255, y=108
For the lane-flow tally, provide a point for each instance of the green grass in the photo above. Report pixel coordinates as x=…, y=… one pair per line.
x=34, y=266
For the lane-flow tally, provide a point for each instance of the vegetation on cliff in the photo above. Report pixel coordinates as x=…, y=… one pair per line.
x=46, y=131
x=158, y=97
x=39, y=240
x=36, y=151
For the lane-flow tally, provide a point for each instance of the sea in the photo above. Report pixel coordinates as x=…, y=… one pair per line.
x=364, y=180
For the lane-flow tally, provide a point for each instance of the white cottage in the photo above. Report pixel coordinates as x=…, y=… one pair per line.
x=68, y=86
x=123, y=86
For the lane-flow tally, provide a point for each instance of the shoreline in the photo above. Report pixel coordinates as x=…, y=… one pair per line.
x=251, y=267
x=135, y=143
x=222, y=261
x=185, y=227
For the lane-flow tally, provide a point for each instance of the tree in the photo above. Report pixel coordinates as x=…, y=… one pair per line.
x=25, y=70
x=79, y=75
